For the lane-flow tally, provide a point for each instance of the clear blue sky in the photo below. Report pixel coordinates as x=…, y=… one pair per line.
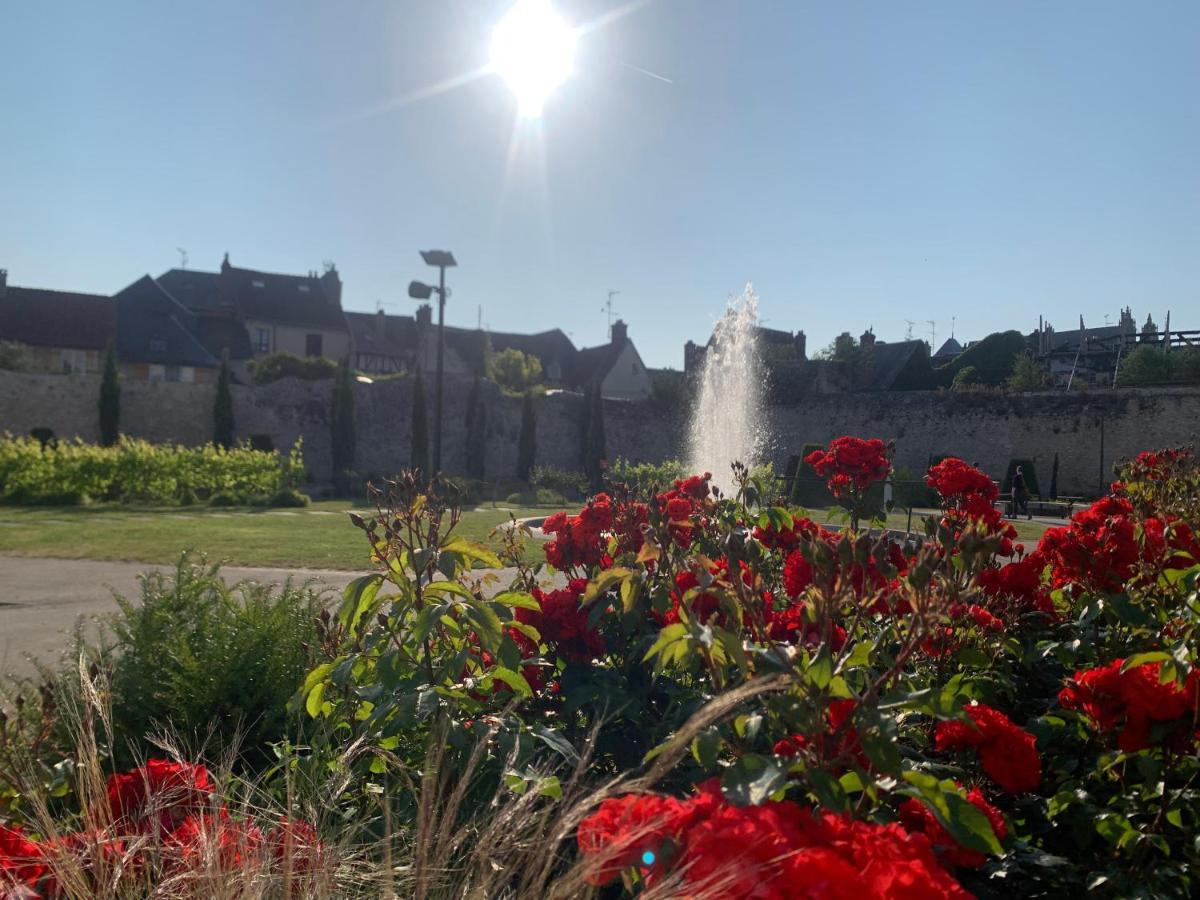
x=861, y=163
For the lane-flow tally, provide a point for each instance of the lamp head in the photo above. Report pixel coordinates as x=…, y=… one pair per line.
x=440, y=258
x=420, y=291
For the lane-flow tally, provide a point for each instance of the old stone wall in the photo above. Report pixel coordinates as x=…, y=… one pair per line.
x=1089, y=431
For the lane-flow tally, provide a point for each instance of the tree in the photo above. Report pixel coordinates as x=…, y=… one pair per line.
x=342, y=422
x=110, y=399
x=223, y=410
x=476, y=424
x=527, y=442
x=993, y=358
x=1054, y=479
x=965, y=378
x=844, y=348
x=515, y=371
x=596, y=453
x=13, y=356
x=1148, y=365
x=1028, y=375
x=418, y=456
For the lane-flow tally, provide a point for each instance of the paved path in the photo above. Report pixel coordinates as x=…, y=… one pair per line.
x=42, y=599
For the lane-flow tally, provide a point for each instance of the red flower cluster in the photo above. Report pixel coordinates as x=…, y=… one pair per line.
x=851, y=464
x=579, y=540
x=682, y=504
x=917, y=817
x=955, y=481
x=774, y=851
x=839, y=743
x=1019, y=582
x=172, y=811
x=1134, y=701
x=563, y=622
x=1008, y=754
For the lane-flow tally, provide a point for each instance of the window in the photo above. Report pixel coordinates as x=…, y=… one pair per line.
x=302, y=288
x=262, y=340
x=74, y=361
x=158, y=345
x=156, y=373
x=187, y=374
x=171, y=374
x=312, y=345
x=258, y=284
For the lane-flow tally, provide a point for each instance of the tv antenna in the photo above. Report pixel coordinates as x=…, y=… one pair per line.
x=608, y=309
x=953, y=319
x=932, y=334
x=908, y=334
x=183, y=257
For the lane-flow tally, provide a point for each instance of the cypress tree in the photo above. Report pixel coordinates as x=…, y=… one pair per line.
x=110, y=399
x=1054, y=479
x=527, y=442
x=342, y=421
x=223, y=410
x=596, y=452
x=585, y=415
x=419, y=453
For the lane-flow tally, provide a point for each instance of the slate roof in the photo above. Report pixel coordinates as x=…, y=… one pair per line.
x=550, y=347
x=592, y=364
x=384, y=335
x=153, y=327
x=950, y=348
x=195, y=290
x=889, y=362
x=287, y=299
x=219, y=333
x=46, y=318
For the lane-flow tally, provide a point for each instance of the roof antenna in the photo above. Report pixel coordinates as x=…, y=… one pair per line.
x=182, y=257
x=953, y=319
x=908, y=334
x=932, y=334
x=608, y=308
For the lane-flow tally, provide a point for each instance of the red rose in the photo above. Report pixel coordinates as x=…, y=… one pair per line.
x=1007, y=754
x=21, y=860
x=160, y=794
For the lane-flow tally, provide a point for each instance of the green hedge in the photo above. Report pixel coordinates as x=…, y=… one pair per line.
x=73, y=472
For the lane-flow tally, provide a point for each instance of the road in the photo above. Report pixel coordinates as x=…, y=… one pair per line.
x=41, y=600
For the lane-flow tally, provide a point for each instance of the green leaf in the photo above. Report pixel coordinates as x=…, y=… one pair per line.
x=514, y=680
x=752, y=779
x=471, y=550
x=359, y=601
x=448, y=587
x=966, y=823
x=669, y=635
x=1127, y=611
x=556, y=742
x=1139, y=659
x=313, y=703
x=486, y=624
x=705, y=747
x=607, y=579
x=518, y=600
x=820, y=670
x=828, y=790
x=550, y=787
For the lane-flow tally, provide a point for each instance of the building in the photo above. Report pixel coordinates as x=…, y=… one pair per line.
x=296, y=314
x=156, y=337
x=61, y=331
x=616, y=368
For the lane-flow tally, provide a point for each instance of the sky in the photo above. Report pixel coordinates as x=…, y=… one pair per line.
x=862, y=163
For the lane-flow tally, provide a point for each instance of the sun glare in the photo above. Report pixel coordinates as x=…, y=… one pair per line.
x=532, y=50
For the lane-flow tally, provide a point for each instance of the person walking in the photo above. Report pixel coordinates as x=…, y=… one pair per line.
x=1020, y=493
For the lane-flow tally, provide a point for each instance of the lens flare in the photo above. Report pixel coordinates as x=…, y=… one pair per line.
x=533, y=50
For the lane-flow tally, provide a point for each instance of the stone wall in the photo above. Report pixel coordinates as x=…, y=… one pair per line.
x=1089, y=431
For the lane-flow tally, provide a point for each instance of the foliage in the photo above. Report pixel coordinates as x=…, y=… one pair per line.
x=237, y=654
x=514, y=371
x=343, y=426
x=644, y=479
x=569, y=484
x=844, y=348
x=527, y=439
x=1028, y=375
x=223, y=429
x=137, y=471
x=419, y=429
x=1148, y=365
x=994, y=358
x=110, y=399
x=966, y=378
x=285, y=365
x=1054, y=478
x=595, y=454
x=1031, y=479
x=14, y=356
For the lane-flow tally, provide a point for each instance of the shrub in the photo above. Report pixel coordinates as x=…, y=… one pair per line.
x=13, y=356
x=1148, y=365
x=526, y=440
x=966, y=378
x=560, y=481
x=288, y=498
x=1028, y=375
x=515, y=372
x=134, y=470
x=285, y=365
x=110, y=399
x=202, y=656
x=993, y=358
x=223, y=410
x=646, y=478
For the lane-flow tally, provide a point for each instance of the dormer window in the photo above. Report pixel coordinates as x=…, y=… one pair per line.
x=302, y=288
x=258, y=284
x=158, y=345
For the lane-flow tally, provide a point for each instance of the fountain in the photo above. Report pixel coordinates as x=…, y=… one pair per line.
x=728, y=421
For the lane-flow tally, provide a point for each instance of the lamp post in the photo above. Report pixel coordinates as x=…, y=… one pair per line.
x=442, y=259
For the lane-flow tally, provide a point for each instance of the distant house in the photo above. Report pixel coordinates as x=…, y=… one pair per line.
x=385, y=343
x=297, y=314
x=780, y=350
x=218, y=325
x=616, y=368
x=156, y=337
x=63, y=332
x=950, y=349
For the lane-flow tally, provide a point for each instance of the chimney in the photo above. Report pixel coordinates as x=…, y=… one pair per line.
x=424, y=315
x=3, y=282
x=801, y=343
x=620, y=332
x=380, y=323
x=225, y=267
x=226, y=290
x=332, y=285
x=867, y=341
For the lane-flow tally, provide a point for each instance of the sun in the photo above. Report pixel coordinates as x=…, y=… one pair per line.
x=532, y=50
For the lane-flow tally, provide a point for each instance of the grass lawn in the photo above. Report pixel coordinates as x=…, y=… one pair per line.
x=1026, y=530
x=318, y=537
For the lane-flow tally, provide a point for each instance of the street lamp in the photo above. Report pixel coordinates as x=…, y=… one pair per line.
x=442, y=259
